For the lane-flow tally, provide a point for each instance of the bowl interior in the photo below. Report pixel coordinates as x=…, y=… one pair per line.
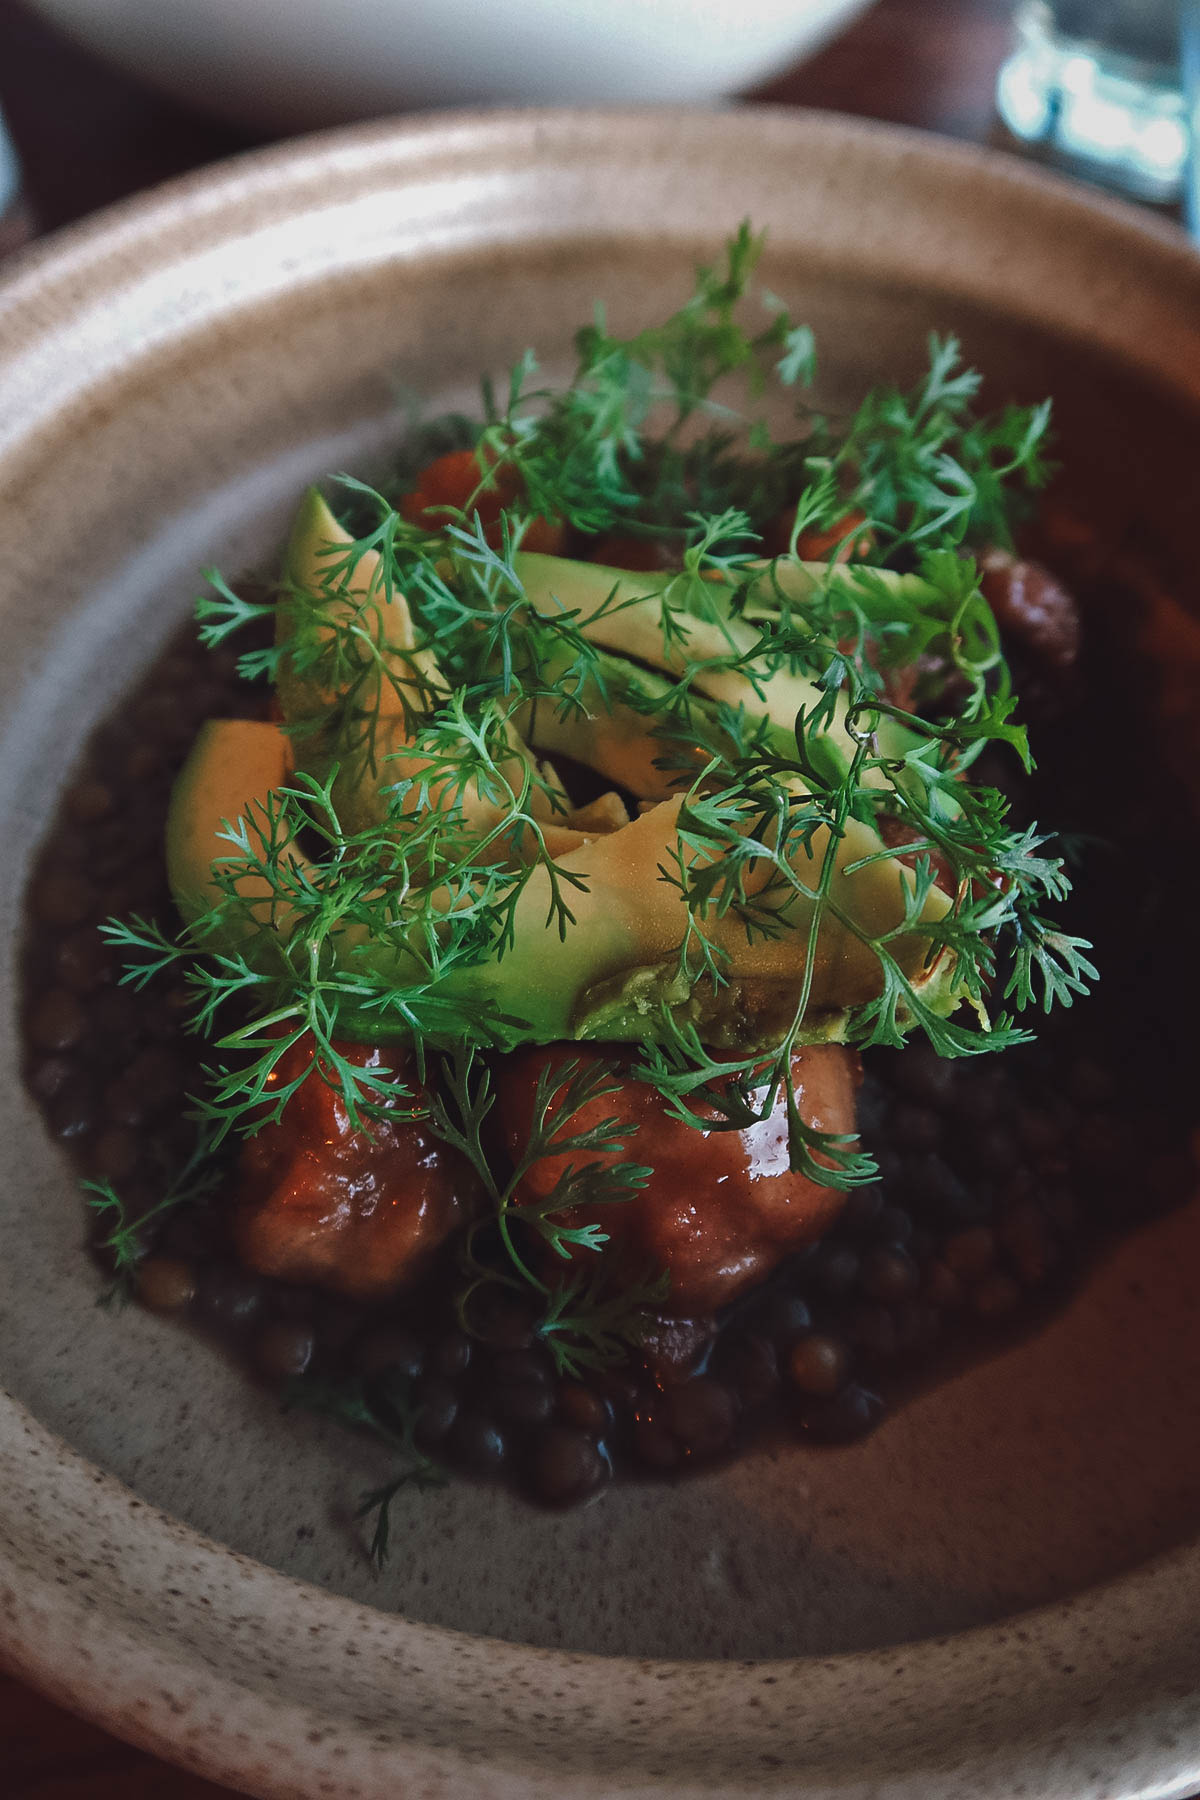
x=1059, y=1462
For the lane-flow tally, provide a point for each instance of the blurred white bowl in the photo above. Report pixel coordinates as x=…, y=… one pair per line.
x=292, y=63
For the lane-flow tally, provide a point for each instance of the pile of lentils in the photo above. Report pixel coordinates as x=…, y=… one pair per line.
x=997, y=1178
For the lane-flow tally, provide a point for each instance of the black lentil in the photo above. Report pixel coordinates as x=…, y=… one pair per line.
x=390, y=1349
x=566, y=1466
x=231, y=1298
x=477, y=1444
x=701, y=1415
x=581, y=1406
x=283, y=1349
x=850, y=1414
x=165, y=1284
x=818, y=1365
x=436, y=1404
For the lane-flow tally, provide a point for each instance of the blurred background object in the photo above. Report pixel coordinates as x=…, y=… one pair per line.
x=89, y=132
x=16, y=224
x=1189, y=64
x=292, y=64
x=1096, y=84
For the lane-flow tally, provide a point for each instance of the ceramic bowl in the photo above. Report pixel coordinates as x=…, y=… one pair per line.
x=294, y=63
x=998, y=1593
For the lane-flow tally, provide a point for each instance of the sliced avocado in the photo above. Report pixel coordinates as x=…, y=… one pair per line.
x=233, y=763
x=624, y=721
x=614, y=733
x=320, y=597
x=320, y=591
x=616, y=969
x=611, y=728
x=625, y=612
x=607, y=812
x=402, y=679
x=613, y=971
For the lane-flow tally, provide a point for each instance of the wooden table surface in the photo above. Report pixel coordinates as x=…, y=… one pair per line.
x=88, y=135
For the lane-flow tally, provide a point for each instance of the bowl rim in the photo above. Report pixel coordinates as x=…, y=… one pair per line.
x=48, y=268
x=60, y=1627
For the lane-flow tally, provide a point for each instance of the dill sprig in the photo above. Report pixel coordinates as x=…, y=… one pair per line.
x=128, y=1231
x=583, y=453
x=750, y=826
x=619, y=449
x=923, y=468
x=383, y=1406
x=584, y=1323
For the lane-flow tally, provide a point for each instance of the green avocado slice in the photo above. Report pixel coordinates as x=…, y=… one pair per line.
x=324, y=593
x=624, y=725
x=614, y=970
x=338, y=625
x=234, y=763
x=324, y=590
x=624, y=612
x=623, y=722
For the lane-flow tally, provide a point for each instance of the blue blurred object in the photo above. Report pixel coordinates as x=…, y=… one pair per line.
x=10, y=173
x=1096, y=84
x=1189, y=63
x=14, y=218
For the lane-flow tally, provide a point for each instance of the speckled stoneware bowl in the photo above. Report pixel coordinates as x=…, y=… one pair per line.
x=996, y=1595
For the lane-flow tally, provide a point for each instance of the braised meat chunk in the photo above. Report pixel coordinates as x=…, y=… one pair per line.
x=1032, y=608
x=722, y=1208
x=361, y=1210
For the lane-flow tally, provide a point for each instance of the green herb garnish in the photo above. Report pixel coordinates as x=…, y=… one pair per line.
x=384, y=1408
x=129, y=1232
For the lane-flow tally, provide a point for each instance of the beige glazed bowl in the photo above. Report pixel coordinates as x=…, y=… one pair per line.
x=996, y=1595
